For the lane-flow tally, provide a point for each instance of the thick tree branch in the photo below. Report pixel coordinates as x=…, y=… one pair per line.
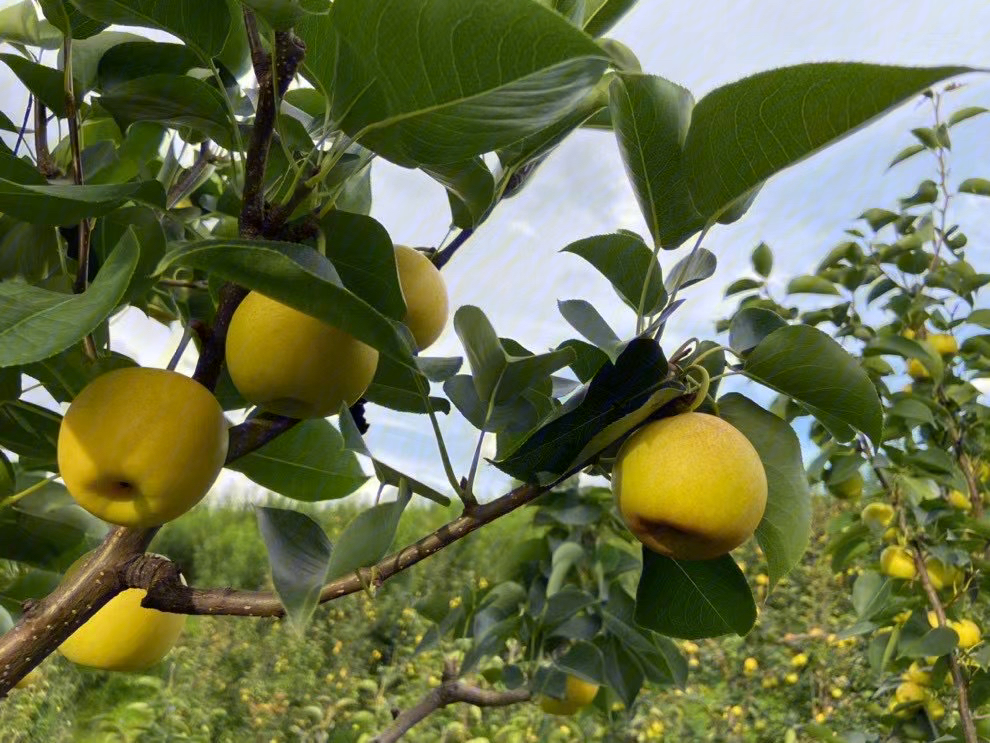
x=255, y=433
x=450, y=691
x=42, y=154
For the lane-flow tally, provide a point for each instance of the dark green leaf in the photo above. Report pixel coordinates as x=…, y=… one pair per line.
x=173, y=100
x=132, y=57
x=762, y=259
x=977, y=186
x=750, y=326
x=395, y=386
x=587, y=361
x=651, y=117
x=694, y=599
x=46, y=83
x=811, y=285
x=785, y=529
x=299, y=277
x=626, y=262
x=30, y=431
x=697, y=266
x=69, y=20
x=939, y=641
x=299, y=553
x=446, y=108
x=810, y=367
x=470, y=190
x=601, y=15
x=307, y=463
x=746, y=131
x=19, y=24
x=483, y=349
x=37, y=323
x=622, y=669
x=364, y=257
x=203, y=26
x=64, y=375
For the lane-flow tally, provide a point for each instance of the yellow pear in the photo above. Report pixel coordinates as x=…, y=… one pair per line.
x=139, y=447
x=579, y=693
x=290, y=363
x=849, y=489
x=917, y=675
x=959, y=500
x=123, y=635
x=878, y=515
x=425, y=293
x=917, y=371
x=897, y=562
x=909, y=692
x=940, y=574
x=968, y=631
x=944, y=344
x=691, y=486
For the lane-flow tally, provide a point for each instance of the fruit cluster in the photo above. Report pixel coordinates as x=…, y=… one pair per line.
x=139, y=447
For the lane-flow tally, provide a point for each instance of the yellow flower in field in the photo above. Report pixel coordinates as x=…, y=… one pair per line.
x=750, y=666
x=791, y=678
x=376, y=654
x=689, y=647
x=820, y=717
x=693, y=663
x=902, y=617
x=769, y=682
x=482, y=583
x=836, y=692
x=762, y=579
x=737, y=710
x=455, y=602
x=799, y=661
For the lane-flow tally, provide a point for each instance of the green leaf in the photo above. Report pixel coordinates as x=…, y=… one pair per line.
x=938, y=641
x=19, y=24
x=750, y=326
x=390, y=476
x=147, y=229
x=744, y=132
x=870, y=595
x=283, y=14
x=47, y=529
x=395, y=387
x=64, y=375
x=368, y=537
x=807, y=365
x=7, y=477
x=87, y=55
x=444, y=107
x=626, y=262
x=694, y=599
x=967, y=112
x=69, y=20
x=785, y=529
x=204, y=26
x=587, y=361
x=27, y=251
x=299, y=277
x=483, y=349
x=364, y=257
x=30, y=431
x=601, y=15
x=977, y=186
x=565, y=556
x=470, y=189
x=745, y=284
x=625, y=675
x=46, y=83
x=697, y=266
x=131, y=57
x=584, y=318
x=617, y=389
x=651, y=117
x=299, y=554
x=36, y=323
x=39, y=203
x=762, y=259
x=811, y=285
x=584, y=660
x=172, y=100
x=306, y=463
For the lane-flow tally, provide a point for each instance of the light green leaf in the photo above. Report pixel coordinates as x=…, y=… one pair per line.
x=977, y=186
x=368, y=537
x=69, y=20
x=19, y=24
x=601, y=15
x=584, y=318
x=45, y=82
x=785, y=529
x=36, y=323
x=811, y=285
x=306, y=463
x=299, y=554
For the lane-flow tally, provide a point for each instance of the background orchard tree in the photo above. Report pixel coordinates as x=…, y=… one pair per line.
x=275, y=201
x=902, y=289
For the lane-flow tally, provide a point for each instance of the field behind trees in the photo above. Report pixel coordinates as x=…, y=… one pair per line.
x=234, y=679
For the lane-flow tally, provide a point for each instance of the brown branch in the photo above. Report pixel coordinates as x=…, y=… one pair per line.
x=450, y=691
x=212, y=352
x=188, y=600
x=42, y=154
x=45, y=624
x=255, y=433
x=958, y=680
x=184, y=186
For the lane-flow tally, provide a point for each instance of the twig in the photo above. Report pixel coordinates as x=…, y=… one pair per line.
x=442, y=256
x=184, y=186
x=24, y=123
x=177, y=598
x=42, y=154
x=255, y=433
x=450, y=691
x=211, y=354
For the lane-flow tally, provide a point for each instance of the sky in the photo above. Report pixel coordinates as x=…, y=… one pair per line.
x=512, y=267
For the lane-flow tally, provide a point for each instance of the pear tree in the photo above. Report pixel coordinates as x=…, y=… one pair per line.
x=184, y=177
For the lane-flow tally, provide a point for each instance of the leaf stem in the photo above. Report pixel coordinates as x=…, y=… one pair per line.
x=12, y=499
x=444, y=455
